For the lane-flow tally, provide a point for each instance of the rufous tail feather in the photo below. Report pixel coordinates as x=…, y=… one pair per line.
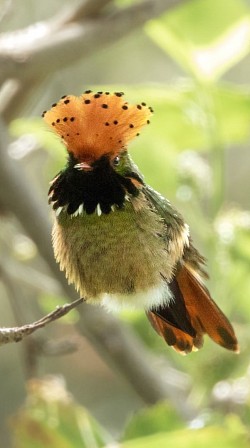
x=191, y=314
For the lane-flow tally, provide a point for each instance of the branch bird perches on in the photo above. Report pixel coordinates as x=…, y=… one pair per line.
x=16, y=334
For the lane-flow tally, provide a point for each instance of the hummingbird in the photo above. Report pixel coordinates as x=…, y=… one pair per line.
x=120, y=242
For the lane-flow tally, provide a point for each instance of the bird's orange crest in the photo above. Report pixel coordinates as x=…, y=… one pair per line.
x=95, y=124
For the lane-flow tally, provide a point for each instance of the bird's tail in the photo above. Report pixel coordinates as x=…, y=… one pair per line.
x=190, y=314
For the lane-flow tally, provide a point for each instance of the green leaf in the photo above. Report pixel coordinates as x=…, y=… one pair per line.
x=51, y=418
x=206, y=37
x=159, y=418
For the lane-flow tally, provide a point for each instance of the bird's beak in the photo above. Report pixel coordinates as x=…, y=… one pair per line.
x=83, y=166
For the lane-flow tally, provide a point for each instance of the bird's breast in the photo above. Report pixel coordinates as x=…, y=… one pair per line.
x=109, y=257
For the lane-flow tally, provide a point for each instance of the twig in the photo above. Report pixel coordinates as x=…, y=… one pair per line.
x=33, y=347
x=16, y=334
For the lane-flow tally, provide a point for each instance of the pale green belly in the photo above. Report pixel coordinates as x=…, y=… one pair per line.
x=119, y=253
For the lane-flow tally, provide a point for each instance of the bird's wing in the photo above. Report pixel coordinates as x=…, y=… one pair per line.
x=191, y=312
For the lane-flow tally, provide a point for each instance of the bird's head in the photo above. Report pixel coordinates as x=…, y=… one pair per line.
x=96, y=128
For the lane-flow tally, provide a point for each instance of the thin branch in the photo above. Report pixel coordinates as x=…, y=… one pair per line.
x=16, y=334
x=21, y=312
x=33, y=346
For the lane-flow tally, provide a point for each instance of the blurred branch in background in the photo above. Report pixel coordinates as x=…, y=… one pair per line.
x=28, y=56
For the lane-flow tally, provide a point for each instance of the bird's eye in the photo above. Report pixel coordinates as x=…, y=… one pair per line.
x=116, y=161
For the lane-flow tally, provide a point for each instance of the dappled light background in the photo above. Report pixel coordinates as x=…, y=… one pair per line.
x=190, y=61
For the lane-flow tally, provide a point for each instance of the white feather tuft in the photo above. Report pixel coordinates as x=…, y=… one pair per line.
x=149, y=299
x=58, y=211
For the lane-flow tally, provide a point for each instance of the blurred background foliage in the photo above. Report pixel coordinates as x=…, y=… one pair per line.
x=192, y=65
